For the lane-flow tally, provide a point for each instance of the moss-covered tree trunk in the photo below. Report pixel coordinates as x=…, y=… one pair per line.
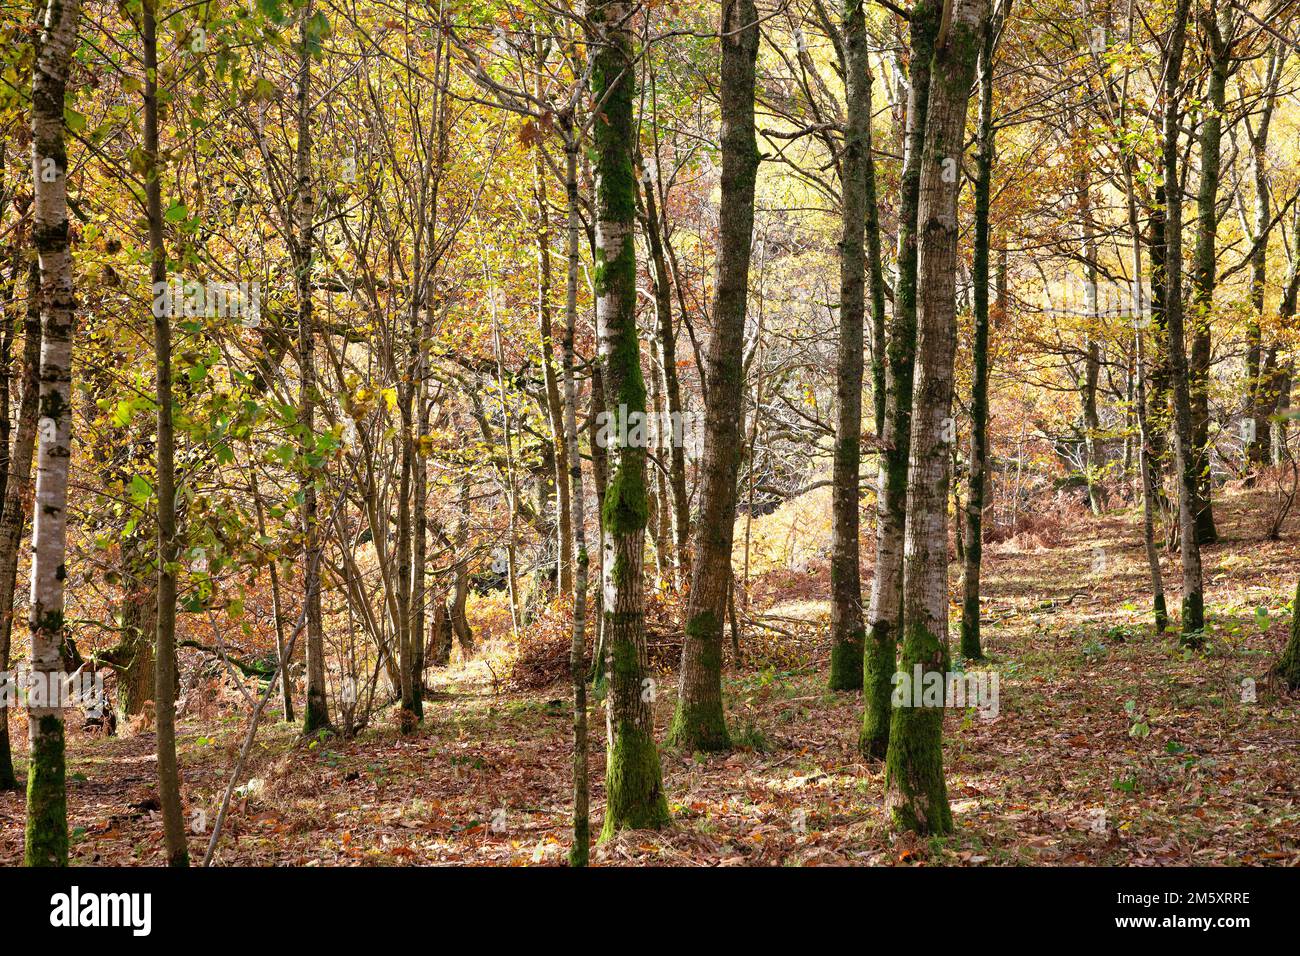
x=633, y=781
x=1287, y=667
x=699, y=722
x=46, y=838
x=13, y=517
x=1193, y=621
x=315, y=709
x=880, y=656
x=915, y=792
x=847, y=631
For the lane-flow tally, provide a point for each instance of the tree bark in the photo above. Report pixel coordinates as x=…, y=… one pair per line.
x=1146, y=470
x=1092, y=456
x=554, y=410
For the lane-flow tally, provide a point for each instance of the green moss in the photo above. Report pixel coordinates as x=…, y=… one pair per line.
x=700, y=722
x=624, y=665
x=1193, y=629
x=633, y=782
x=970, y=630
x=315, y=714
x=46, y=841
x=578, y=853
x=879, y=662
x=846, y=661
x=916, y=794
x=1287, y=667
x=626, y=509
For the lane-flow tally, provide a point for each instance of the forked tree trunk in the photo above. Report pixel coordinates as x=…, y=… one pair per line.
x=880, y=657
x=633, y=780
x=46, y=838
x=915, y=792
x=699, y=722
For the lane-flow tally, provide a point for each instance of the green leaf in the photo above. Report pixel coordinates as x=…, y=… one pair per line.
x=140, y=490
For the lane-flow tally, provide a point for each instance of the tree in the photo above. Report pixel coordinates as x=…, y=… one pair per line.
x=883, y=615
x=46, y=839
x=915, y=791
x=168, y=543
x=1219, y=30
x=18, y=475
x=699, y=722
x=977, y=480
x=578, y=524
x=633, y=780
x=1193, y=622
x=315, y=709
x=847, y=633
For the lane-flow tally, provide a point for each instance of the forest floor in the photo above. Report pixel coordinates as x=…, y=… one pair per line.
x=1111, y=745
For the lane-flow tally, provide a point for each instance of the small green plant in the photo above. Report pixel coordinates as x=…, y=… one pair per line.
x=1127, y=784
x=1138, y=725
x=751, y=737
